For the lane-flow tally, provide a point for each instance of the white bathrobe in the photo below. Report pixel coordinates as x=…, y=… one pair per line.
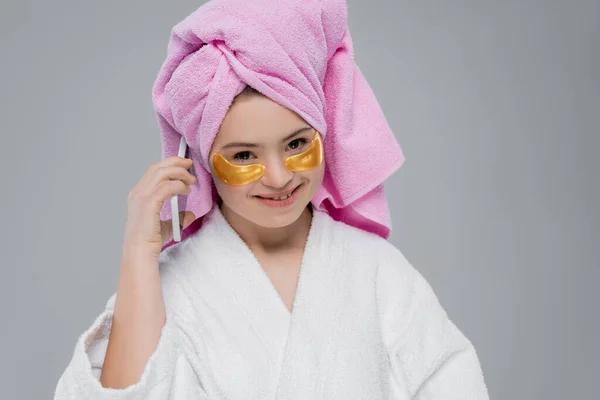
x=365, y=325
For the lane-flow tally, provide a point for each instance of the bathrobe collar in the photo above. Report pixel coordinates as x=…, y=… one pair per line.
x=293, y=340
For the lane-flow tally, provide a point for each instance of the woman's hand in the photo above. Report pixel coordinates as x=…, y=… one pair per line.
x=145, y=233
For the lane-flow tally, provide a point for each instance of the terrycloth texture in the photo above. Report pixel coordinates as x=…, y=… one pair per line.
x=365, y=324
x=298, y=53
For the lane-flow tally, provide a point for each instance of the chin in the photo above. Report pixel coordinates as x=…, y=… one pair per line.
x=277, y=220
x=265, y=217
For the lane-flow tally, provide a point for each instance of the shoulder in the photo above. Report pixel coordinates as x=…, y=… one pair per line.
x=361, y=243
x=178, y=264
x=395, y=276
x=180, y=256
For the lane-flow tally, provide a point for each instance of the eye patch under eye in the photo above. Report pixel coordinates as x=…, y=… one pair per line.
x=240, y=175
x=236, y=175
x=309, y=159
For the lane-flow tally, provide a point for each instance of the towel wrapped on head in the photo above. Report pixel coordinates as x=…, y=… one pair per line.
x=299, y=54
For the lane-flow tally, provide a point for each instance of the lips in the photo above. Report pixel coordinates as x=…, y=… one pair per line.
x=282, y=194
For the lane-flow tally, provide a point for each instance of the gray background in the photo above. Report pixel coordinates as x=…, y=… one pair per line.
x=496, y=106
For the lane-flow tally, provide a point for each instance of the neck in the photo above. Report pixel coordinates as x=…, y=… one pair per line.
x=266, y=239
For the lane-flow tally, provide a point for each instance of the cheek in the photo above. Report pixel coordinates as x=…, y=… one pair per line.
x=315, y=176
x=231, y=193
x=318, y=173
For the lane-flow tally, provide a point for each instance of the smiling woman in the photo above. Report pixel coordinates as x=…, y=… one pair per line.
x=256, y=131
x=285, y=286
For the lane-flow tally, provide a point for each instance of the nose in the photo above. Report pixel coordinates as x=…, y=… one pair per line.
x=276, y=173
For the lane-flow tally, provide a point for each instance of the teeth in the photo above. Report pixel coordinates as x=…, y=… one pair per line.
x=282, y=198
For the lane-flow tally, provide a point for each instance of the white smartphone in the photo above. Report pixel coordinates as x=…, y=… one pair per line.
x=174, y=199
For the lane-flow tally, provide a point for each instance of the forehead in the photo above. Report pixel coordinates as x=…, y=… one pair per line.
x=257, y=119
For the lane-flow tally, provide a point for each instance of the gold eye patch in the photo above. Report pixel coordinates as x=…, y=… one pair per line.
x=308, y=159
x=236, y=175
x=239, y=175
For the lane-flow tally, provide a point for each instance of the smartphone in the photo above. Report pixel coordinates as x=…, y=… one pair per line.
x=182, y=152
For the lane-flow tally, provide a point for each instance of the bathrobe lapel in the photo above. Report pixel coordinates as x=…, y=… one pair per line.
x=309, y=355
x=300, y=344
x=249, y=290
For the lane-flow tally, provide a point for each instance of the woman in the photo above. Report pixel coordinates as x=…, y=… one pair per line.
x=284, y=285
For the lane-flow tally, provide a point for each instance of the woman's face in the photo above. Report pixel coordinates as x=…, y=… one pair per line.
x=256, y=130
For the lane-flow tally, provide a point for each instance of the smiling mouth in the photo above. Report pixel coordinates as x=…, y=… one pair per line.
x=282, y=197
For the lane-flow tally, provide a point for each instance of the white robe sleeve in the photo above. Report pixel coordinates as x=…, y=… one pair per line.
x=430, y=358
x=168, y=374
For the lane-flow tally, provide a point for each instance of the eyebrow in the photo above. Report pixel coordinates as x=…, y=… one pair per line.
x=254, y=145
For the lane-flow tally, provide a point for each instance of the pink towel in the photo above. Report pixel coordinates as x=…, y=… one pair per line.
x=298, y=53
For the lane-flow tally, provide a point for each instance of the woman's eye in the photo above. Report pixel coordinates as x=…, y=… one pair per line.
x=297, y=143
x=242, y=156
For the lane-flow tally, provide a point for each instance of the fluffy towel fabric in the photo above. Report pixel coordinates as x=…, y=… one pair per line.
x=365, y=324
x=298, y=53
